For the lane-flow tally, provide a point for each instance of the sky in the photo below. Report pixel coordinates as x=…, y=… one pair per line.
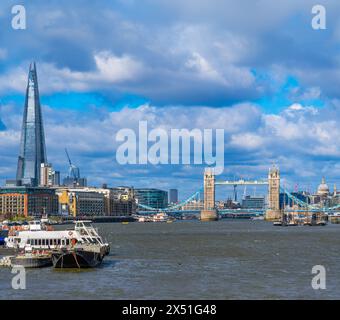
x=256, y=69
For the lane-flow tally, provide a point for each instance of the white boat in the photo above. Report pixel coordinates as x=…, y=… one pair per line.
x=160, y=217
x=34, y=226
x=38, y=239
x=257, y=218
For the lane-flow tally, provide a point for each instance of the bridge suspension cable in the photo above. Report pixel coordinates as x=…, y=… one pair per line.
x=305, y=204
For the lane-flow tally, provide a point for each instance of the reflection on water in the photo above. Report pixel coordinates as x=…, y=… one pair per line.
x=227, y=259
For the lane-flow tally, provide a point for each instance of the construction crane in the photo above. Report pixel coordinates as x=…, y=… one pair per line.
x=73, y=170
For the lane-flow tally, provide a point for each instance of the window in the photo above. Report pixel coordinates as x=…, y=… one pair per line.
x=39, y=242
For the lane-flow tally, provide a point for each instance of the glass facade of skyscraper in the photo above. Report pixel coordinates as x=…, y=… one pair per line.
x=32, y=145
x=154, y=198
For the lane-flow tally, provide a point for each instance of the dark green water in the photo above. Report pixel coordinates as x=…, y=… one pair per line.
x=227, y=259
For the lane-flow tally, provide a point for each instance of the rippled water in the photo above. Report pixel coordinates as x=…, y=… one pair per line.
x=228, y=259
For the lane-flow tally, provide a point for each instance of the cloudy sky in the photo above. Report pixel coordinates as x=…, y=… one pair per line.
x=256, y=69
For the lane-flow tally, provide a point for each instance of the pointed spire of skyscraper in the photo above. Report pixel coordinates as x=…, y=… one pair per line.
x=32, y=146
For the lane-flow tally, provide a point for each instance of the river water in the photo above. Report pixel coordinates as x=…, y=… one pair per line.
x=228, y=259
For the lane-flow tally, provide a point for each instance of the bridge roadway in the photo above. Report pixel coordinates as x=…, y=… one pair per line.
x=241, y=182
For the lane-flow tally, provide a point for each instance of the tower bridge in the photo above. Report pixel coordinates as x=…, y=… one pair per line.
x=273, y=211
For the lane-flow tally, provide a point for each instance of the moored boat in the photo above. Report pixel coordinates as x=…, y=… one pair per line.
x=29, y=260
x=38, y=239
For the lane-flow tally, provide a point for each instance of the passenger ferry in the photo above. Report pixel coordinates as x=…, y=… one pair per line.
x=38, y=239
x=160, y=217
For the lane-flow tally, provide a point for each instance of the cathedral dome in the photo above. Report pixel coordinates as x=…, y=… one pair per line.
x=323, y=189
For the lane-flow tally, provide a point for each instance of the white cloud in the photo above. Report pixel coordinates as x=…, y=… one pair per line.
x=247, y=140
x=110, y=70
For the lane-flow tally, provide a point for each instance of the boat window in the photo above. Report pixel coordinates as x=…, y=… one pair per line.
x=43, y=242
x=84, y=239
x=28, y=241
x=99, y=240
x=95, y=241
x=67, y=242
x=58, y=241
x=39, y=242
x=54, y=241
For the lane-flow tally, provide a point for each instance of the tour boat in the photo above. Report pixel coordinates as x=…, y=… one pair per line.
x=160, y=217
x=39, y=239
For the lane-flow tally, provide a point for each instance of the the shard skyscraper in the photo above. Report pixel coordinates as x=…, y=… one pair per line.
x=32, y=145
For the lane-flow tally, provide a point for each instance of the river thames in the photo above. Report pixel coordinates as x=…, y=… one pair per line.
x=227, y=259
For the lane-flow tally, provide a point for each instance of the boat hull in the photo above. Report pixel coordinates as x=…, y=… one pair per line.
x=31, y=262
x=4, y=251
x=76, y=259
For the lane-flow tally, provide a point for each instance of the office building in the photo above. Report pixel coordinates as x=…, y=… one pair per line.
x=28, y=201
x=250, y=202
x=49, y=177
x=173, y=196
x=96, y=201
x=32, y=145
x=153, y=198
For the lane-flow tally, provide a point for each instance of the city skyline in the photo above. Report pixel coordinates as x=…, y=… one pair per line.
x=282, y=109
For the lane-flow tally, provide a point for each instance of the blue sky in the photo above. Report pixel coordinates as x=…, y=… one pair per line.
x=254, y=68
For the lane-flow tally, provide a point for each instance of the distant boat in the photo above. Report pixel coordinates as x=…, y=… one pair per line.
x=257, y=218
x=160, y=217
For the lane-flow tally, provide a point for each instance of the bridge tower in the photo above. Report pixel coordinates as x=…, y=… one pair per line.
x=273, y=212
x=209, y=212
